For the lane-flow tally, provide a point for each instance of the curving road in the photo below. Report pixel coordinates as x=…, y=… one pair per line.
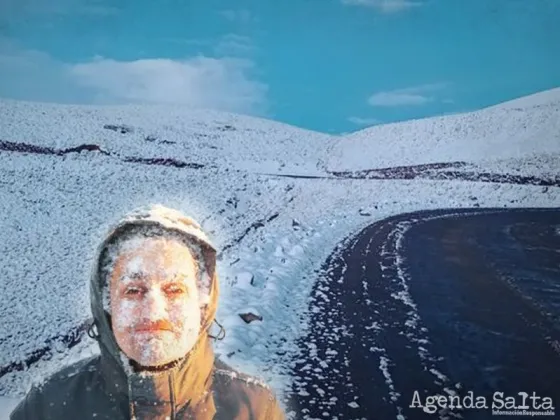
x=450, y=302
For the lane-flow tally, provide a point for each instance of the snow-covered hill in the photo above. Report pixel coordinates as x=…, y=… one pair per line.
x=200, y=137
x=274, y=231
x=522, y=128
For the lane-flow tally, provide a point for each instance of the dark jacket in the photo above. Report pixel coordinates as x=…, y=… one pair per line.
x=198, y=387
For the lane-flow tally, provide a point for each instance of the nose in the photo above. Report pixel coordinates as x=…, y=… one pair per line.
x=155, y=305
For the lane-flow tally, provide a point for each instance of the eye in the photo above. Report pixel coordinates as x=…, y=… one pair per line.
x=174, y=290
x=133, y=291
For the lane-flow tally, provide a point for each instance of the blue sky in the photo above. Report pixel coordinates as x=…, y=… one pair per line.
x=328, y=65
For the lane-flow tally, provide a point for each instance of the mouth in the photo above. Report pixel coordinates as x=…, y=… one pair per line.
x=151, y=330
x=157, y=328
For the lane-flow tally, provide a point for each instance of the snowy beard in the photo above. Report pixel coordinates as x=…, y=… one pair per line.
x=156, y=348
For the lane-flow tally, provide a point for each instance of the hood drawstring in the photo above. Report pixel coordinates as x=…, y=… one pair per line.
x=92, y=331
x=221, y=335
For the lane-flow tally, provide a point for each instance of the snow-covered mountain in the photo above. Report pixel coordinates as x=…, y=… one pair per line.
x=66, y=172
x=524, y=128
x=198, y=137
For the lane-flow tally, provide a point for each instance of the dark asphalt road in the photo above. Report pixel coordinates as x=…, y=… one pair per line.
x=451, y=302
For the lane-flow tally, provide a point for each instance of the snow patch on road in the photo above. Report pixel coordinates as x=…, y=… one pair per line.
x=384, y=363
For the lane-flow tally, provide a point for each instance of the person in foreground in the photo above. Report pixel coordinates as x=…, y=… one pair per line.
x=154, y=293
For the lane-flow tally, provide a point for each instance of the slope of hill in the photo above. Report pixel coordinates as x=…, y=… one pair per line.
x=273, y=232
x=528, y=127
x=193, y=137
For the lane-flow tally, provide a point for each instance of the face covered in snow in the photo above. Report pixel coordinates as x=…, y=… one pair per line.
x=154, y=300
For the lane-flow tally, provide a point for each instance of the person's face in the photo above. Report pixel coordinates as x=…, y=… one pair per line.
x=154, y=300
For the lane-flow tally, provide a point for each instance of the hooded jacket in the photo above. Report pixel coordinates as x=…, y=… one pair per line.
x=198, y=387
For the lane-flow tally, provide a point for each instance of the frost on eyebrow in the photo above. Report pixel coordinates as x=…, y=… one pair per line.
x=130, y=277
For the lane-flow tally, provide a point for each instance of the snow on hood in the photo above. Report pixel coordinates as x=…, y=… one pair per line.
x=176, y=223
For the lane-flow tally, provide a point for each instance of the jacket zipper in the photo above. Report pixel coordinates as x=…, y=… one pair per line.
x=130, y=403
x=172, y=395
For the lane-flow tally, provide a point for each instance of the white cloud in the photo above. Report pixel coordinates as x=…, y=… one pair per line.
x=398, y=98
x=198, y=82
x=226, y=46
x=189, y=41
x=33, y=75
x=201, y=82
x=385, y=6
x=363, y=121
x=413, y=96
x=234, y=45
x=242, y=16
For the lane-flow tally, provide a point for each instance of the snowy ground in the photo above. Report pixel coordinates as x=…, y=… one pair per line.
x=275, y=231
x=6, y=407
